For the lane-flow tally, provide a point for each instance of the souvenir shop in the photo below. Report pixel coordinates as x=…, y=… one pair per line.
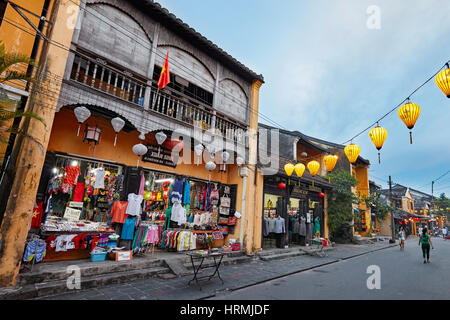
x=292, y=214
x=87, y=208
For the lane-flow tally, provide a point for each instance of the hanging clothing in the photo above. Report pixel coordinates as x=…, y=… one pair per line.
x=302, y=230
x=141, y=186
x=38, y=212
x=118, y=211
x=177, y=191
x=79, y=192
x=271, y=225
x=187, y=193
x=35, y=249
x=280, y=226
x=178, y=214
x=134, y=204
x=128, y=228
x=265, y=227
x=71, y=174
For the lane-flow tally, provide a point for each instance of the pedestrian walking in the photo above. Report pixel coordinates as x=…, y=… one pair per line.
x=420, y=231
x=402, y=238
x=425, y=240
x=444, y=232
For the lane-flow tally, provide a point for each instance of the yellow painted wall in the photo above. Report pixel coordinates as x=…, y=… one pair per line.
x=361, y=174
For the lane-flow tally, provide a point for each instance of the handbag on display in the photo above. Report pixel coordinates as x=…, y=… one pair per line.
x=224, y=211
x=223, y=220
x=231, y=221
x=225, y=202
x=217, y=235
x=224, y=230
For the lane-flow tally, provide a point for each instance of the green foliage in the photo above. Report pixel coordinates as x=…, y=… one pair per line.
x=379, y=208
x=340, y=210
x=10, y=64
x=443, y=202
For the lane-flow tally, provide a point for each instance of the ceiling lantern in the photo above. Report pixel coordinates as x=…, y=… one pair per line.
x=313, y=167
x=330, y=161
x=117, y=124
x=409, y=113
x=352, y=152
x=378, y=136
x=299, y=170
x=82, y=114
x=443, y=81
x=139, y=150
x=289, y=169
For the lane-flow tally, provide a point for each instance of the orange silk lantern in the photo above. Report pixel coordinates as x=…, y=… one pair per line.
x=313, y=167
x=299, y=170
x=352, y=152
x=409, y=113
x=378, y=136
x=330, y=161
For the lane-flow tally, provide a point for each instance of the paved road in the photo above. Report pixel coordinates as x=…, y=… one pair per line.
x=403, y=276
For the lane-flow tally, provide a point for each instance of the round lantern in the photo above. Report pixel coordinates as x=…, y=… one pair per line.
x=198, y=149
x=330, y=161
x=378, y=136
x=321, y=195
x=210, y=166
x=225, y=156
x=299, y=169
x=352, y=152
x=160, y=137
x=147, y=195
x=289, y=168
x=139, y=150
x=82, y=114
x=240, y=161
x=409, y=113
x=281, y=186
x=443, y=81
x=118, y=124
x=313, y=168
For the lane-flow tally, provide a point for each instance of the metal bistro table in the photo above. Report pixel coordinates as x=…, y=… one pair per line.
x=201, y=255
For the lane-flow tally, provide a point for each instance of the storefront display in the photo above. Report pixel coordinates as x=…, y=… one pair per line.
x=86, y=208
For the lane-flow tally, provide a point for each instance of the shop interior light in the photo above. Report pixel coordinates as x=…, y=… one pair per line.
x=147, y=183
x=164, y=180
x=74, y=163
x=55, y=170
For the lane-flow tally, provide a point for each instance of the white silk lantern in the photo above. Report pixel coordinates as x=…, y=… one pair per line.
x=139, y=150
x=82, y=114
x=239, y=161
x=118, y=124
x=160, y=137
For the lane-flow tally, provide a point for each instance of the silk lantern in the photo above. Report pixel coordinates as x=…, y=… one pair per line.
x=198, y=149
x=210, y=166
x=118, y=124
x=281, y=186
x=289, y=168
x=239, y=161
x=225, y=158
x=160, y=137
x=443, y=81
x=409, y=113
x=139, y=150
x=378, y=136
x=330, y=161
x=313, y=168
x=352, y=152
x=299, y=170
x=82, y=114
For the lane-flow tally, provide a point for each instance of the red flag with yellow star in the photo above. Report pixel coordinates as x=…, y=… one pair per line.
x=164, y=77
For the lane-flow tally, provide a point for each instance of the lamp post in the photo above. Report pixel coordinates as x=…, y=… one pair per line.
x=392, y=213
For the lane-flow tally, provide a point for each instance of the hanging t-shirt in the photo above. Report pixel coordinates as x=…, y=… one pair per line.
x=134, y=204
x=118, y=211
x=71, y=174
x=187, y=193
x=79, y=192
x=128, y=229
x=37, y=215
x=178, y=214
x=99, y=178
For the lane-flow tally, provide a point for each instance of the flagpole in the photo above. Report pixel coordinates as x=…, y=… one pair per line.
x=155, y=100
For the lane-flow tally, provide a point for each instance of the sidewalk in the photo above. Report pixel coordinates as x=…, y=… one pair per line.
x=235, y=276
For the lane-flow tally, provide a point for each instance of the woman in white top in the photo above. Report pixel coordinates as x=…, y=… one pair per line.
x=402, y=237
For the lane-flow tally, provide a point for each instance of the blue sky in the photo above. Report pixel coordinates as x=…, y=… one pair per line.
x=322, y=63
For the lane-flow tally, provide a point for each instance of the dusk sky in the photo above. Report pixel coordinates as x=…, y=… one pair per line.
x=328, y=75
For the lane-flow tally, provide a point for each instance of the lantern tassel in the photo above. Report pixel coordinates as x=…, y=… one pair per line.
x=313, y=182
x=410, y=137
x=329, y=179
x=289, y=181
x=379, y=160
x=78, y=133
x=115, y=140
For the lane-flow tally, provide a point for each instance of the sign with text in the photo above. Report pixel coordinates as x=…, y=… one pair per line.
x=160, y=155
x=72, y=214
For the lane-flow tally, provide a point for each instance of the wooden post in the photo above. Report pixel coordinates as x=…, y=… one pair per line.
x=18, y=213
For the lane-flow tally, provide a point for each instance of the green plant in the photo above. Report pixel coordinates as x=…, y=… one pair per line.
x=340, y=206
x=377, y=206
x=10, y=65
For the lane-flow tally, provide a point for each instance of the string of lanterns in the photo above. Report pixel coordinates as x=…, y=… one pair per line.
x=408, y=113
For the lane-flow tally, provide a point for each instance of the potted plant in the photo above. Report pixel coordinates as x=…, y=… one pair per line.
x=209, y=242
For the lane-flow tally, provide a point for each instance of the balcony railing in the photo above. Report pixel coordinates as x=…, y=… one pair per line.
x=95, y=74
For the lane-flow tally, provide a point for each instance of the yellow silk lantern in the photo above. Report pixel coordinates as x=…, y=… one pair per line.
x=313, y=167
x=299, y=169
x=409, y=113
x=443, y=81
x=330, y=161
x=352, y=152
x=289, y=168
x=378, y=136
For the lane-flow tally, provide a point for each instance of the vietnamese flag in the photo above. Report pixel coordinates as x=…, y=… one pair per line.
x=164, y=77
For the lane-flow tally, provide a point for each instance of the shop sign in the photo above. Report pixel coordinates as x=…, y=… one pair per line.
x=315, y=189
x=124, y=256
x=76, y=204
x=72, y=214
x=160, y=155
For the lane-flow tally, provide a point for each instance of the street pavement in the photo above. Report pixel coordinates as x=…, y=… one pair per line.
x=403, y=275
x=235, y=277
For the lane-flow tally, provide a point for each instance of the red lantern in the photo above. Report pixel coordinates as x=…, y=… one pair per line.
x=171, y=144
x=321, y=195
x=281, y=186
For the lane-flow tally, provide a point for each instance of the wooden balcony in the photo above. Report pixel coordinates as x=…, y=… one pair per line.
x=98, y=75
